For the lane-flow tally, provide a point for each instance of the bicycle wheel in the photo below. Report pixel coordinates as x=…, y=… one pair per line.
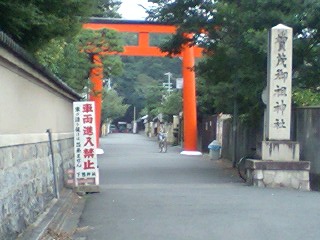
x=241, y=167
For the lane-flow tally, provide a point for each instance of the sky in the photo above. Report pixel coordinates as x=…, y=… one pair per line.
x=131, y=10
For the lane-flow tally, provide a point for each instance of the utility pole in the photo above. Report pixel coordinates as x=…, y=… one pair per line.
x=134, y=114
x=168, y=84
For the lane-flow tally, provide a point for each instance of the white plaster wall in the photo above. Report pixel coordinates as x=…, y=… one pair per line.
x=29, y=102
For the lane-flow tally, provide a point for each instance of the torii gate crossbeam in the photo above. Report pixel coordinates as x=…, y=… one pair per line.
x=143, y=29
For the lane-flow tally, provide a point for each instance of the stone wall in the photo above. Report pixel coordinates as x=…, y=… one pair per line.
x=27, y=181
x=32, y=102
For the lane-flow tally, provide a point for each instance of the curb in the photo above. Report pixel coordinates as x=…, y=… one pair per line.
x=61, y=219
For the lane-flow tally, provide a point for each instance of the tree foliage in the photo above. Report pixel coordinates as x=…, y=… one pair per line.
x=51, y=30
x=236, y=33
x=107, y=8
x=306, y=97
x=141, y=82
x=33, y=23
x=172, y=104
x=113, y=106
x=71, y=61
x=99, y=41
x=66, y=61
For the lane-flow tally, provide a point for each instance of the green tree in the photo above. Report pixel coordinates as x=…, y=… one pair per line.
x=112, y=106
x=150, y=91
x=72, y=61
x=306, y=97
x=33, y=23
x=234, y=70
x=107, y=8
x=67, y=62
x=172, y=104
x=51, y=30
x=142, y=74
x=153, y=99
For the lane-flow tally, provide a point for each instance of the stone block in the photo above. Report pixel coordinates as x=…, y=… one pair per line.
x=6, y=159
x=268, y=176
x=29, y=151
x=258, y=174
x=9, y=179
x=258, y=183
x=305, y=185
x=304, y=176
x=2, y=159
x=278, y=165
x=287, y=174
x=295, y=183
x=279, y=177
x=280, y=150
x=43, y=150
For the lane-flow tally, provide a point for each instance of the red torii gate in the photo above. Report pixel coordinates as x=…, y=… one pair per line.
x=143, y=29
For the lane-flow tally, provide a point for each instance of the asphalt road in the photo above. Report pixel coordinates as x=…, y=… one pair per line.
x=146, y=195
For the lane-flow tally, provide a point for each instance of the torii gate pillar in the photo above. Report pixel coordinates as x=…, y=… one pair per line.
x=96, y=78
x=189, y=101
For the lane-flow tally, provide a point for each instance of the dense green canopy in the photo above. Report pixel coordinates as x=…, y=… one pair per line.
x=141, y=83
x=113, y=106
x=235, y=69
x=34, y=23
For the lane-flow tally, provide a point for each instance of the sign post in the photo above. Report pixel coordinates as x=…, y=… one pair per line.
x=278, y=145
x=279, y=83
x=85, y=145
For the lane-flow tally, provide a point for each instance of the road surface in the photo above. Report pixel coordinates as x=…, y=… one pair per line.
x=147, y=195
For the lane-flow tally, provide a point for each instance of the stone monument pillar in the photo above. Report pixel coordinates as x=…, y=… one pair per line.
x=279, y=83
x=280, y=165
x=278, y=146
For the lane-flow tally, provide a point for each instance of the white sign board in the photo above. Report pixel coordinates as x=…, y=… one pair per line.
x=85, y=141
x=279, y=83
x=179, y=83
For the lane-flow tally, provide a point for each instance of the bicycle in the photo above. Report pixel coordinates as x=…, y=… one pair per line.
x=162, y=142
x=241, y=164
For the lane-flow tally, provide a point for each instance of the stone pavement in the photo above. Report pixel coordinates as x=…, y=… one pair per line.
x=150, y=195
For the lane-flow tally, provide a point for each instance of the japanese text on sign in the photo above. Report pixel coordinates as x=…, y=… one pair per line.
x=85, y=140
x=279, y=83
x=280, y=76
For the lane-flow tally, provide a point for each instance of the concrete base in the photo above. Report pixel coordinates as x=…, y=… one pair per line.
x=288, y=174
x=191, y=153
x=87, y=189
x=99, y=151
x=280, y=150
